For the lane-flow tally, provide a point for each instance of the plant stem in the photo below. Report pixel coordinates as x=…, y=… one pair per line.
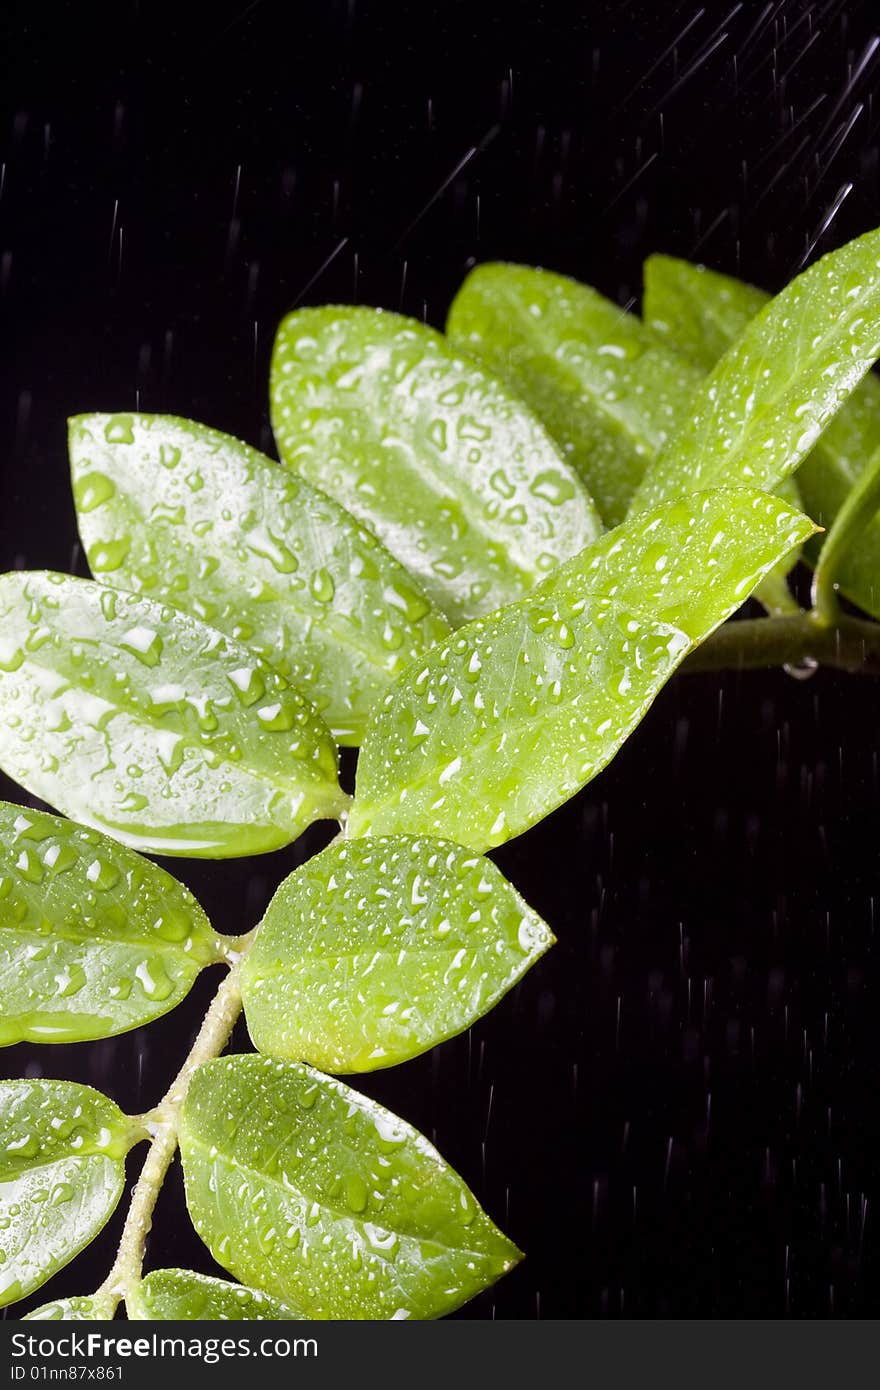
x=848, y=644
x=210, y=1041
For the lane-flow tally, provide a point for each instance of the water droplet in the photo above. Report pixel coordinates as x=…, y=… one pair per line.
x=144, y=643
x=91, y=490
x=119, y=430
x=321, y=586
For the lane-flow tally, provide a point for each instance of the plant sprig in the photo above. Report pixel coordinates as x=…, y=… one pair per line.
x=426, y=574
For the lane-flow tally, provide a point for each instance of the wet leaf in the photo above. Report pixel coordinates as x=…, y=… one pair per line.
x=606, y=387
x=450, y=470
x=180, y=1295
x=705, y=313
x=304, y=1188
x=376, y=950
x=766, y=403
x=193, y=517
x=145, y=723
x=518, y=711
x=83, y=1309
x=62, y=1166
x=94, y=940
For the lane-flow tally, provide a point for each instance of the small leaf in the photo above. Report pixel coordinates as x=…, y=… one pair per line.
x=706, y=312
x=376, y=950
x=93, y=1308
x=450, y=470
x=765, y=404
x=193, y=517
x=62, y=1167
x=145, y=723
x=179, y=1295
x=318, y=1195
x=94, y=940
x=606, y=387
x=518, y=711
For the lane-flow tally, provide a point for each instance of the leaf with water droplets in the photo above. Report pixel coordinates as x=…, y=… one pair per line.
x=440, y=459
x=606, y=387
x=306, y=1189
x=91, y=1308
x=197, y=519
x=143, y=722
x=94, y=940
x=62, y=1167
x=518, y=711
x=376, y=950
x=180, y=1295
x=768, y=400
x=704, y=313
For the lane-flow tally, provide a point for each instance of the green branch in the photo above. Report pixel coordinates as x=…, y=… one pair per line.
x=849, y=644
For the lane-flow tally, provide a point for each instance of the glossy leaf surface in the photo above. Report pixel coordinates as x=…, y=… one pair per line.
x=438, y=458
x=606, y=387
x=195, y=518
x=378, y=949
x=304, y=1188
x=180, y=1295
x=77, y=1309
x=705, y=312
x=518, y=711
x=93, y=939
x=145, y=723
x=62, y=1165
x=766, y=403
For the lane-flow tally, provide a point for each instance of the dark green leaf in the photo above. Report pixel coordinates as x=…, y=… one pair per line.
x=705, y=313
x=766, y=403
x=93, y=939
x=304, y=1188
x=62, y=1167
x=606, y=387
x=450, y=470
x=376, y=950
x=145, y=723
x=179, y=1295
x=518, y=711
x=195, y=518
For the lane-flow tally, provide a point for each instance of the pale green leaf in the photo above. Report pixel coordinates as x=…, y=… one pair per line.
x=766, y=403
x=143, y=722
x=705, y=312
x=62, y=1167
x=518, y=711
x=451, y=471
x=180, y=1295
x=606, y=387
x=94, y=939
x=316, y=1194
x=376, y=950
x=193, y=517
x=94, y=1308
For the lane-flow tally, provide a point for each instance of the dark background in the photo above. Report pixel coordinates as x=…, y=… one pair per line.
x=677, y=1112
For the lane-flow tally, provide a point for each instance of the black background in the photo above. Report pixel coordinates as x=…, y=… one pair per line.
x=676, y=1113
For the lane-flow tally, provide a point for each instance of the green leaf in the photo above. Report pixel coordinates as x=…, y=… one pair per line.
x=518, y=711
x=606, y=387
x=193, y=517
x=765, y=404
x=94, y=940
x=93, y=1308
x=705, y=312
x=62, y=1167
x=304, y=1188
x=179, y=1295
x=376, y=950
x=854, y=518
x=143, y=722
x=449, y=469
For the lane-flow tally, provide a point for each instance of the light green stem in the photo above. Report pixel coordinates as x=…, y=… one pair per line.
x=163, y=1123
x=859, y=509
